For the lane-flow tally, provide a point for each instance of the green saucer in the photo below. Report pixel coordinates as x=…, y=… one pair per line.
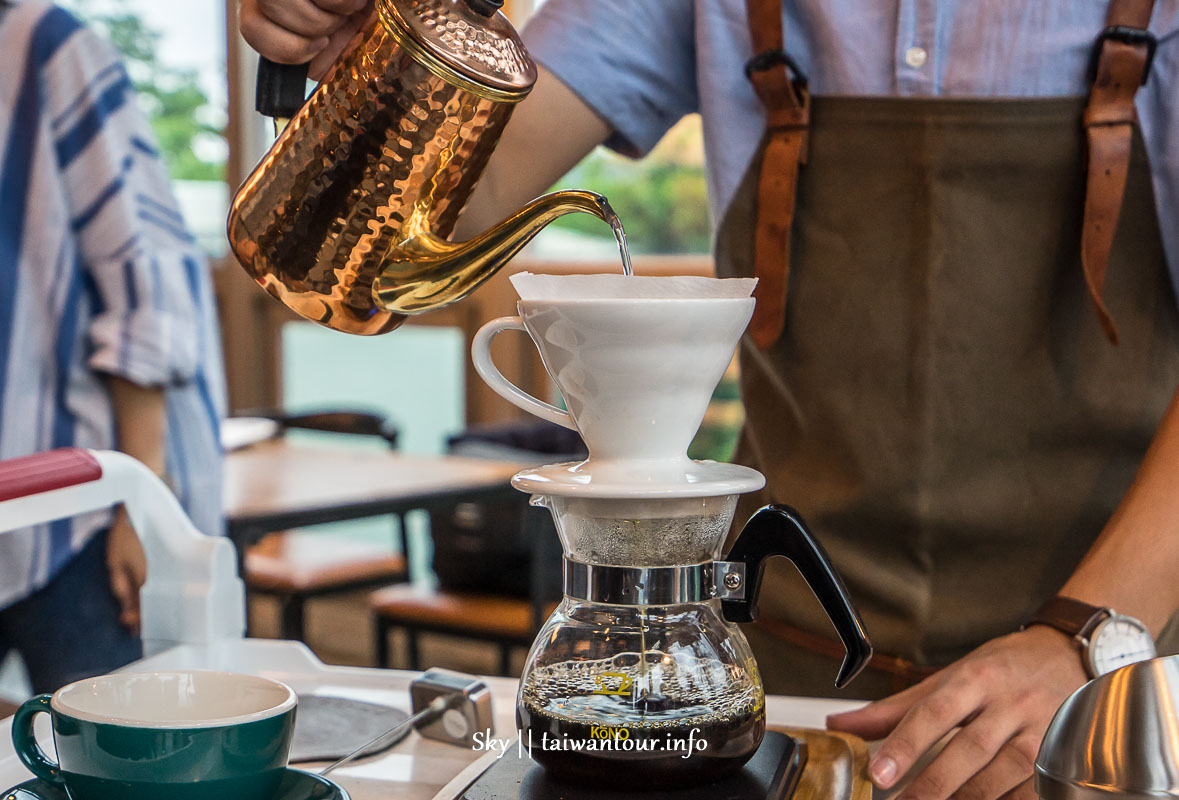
x=296, y=785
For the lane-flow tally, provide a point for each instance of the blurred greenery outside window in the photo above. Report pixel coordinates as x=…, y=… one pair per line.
x=662, y=199
x=173, y=90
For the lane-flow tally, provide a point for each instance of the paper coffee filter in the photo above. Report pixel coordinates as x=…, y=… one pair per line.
x=611, y=286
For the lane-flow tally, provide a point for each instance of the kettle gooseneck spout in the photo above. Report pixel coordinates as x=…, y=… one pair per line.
x=424, y=271
x=346, y=219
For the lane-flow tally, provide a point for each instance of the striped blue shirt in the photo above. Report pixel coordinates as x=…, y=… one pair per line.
x=98, y=276
x=644, y=65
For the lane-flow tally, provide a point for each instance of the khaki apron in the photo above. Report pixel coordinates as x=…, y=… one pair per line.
x=943, y=406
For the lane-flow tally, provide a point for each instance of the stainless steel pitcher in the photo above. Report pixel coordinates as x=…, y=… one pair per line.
x=1115, y=737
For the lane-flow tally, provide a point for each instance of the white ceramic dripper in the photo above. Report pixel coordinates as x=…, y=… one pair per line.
x=636, y=374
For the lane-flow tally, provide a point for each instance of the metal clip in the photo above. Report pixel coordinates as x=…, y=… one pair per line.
x=1125, y=35
x=768, y=59
x=729, y=580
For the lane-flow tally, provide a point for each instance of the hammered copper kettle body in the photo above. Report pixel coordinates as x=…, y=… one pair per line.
x=346, y=218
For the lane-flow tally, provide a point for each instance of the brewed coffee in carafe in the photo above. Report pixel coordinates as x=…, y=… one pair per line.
x=641, y=667
x=677, y=716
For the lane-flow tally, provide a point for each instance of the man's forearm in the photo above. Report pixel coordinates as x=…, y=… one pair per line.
x=550, y=131
x=140, y=422
x=1132, y=565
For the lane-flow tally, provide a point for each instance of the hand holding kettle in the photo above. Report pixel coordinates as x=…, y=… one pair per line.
x=302, y=31
x=347, y=219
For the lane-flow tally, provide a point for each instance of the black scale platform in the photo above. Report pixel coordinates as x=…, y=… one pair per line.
x=771, y=774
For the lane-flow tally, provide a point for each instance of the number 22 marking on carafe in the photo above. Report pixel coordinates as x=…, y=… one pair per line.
x=625, y=682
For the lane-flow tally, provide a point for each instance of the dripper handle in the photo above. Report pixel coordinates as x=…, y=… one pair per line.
x=778, y=530
x=489, y=372
x=281, y=90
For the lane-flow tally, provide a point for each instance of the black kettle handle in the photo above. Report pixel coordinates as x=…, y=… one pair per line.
x=778, y=530
x=282, y=88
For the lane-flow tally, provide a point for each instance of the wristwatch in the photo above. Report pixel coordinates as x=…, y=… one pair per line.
x=1107, y=639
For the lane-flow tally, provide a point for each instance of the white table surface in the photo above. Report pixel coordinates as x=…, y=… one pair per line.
x=414, y=769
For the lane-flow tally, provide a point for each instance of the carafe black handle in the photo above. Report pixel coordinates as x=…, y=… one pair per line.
x=778, y=530
x=282, y=88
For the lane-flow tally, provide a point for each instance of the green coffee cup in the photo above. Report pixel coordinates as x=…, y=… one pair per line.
x=162, y=736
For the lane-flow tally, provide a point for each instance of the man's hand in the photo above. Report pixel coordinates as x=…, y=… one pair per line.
x=128, y=569
x=298, y=31
x=1003, y=695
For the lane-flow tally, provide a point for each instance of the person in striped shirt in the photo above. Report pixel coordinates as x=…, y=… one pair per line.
x=108, y=335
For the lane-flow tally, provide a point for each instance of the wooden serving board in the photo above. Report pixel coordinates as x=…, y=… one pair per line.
x=836, y=766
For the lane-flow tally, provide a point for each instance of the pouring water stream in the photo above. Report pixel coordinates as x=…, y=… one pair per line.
x=615, y=223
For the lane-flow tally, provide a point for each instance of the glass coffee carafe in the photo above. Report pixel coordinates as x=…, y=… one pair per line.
x=641, y=666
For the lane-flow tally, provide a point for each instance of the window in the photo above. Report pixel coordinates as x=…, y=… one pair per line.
x=175, y=53
x=415, y=377
x=662, y=199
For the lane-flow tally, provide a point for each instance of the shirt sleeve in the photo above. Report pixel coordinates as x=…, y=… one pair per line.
x=632, y=61
x=142, y=263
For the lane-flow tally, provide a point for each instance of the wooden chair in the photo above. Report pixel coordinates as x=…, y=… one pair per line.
x=296, y=566
x=507, y=621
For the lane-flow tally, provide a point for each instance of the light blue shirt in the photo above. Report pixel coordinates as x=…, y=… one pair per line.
x=98, y=276
x=644, y=64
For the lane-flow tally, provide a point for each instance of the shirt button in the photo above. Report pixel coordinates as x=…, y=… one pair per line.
x=915, y=57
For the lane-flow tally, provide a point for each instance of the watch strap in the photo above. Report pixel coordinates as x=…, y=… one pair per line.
x=1070, y=616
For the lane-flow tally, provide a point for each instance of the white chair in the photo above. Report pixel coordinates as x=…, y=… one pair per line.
x=193, y=595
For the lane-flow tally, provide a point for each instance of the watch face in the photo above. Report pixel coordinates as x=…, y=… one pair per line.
x=1119, y=641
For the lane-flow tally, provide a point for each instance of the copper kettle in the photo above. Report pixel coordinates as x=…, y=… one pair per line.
x=346, y=218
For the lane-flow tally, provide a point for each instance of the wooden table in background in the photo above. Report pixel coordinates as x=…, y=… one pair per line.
x=276, y=485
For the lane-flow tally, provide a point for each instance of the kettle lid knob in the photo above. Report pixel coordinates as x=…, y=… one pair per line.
x=466, y=42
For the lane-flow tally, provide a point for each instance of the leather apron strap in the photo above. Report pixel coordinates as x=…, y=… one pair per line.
x=788, y=117
x=1122, y=57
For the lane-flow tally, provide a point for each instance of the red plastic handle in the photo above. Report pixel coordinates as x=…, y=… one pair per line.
x=44, y=472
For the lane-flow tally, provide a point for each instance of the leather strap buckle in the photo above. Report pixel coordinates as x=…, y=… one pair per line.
x=1125, y=35
x=767, y=59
